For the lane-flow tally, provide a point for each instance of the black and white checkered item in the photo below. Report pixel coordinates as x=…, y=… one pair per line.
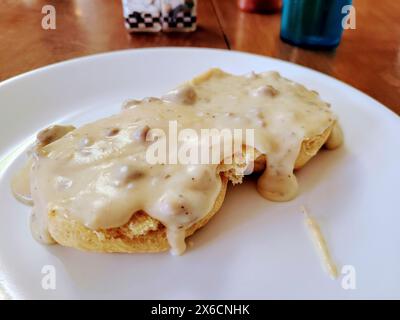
x=157, y=15
x=182, y=20
x=143, y=21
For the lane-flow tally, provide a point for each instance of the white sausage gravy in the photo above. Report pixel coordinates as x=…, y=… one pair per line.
x=98, y=173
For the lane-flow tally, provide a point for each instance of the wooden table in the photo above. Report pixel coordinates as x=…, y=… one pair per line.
x=368, y=58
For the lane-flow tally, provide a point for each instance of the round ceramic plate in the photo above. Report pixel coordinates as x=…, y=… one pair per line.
x=252, y=248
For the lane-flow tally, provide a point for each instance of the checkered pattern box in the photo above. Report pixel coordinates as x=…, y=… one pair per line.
x=142, y=15
x=179, y=15
x=157, y=15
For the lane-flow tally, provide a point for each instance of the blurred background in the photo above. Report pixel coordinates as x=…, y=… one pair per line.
x=368, y=57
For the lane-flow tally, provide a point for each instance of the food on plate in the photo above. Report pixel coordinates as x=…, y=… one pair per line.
x=321, y=244
x=119, y=184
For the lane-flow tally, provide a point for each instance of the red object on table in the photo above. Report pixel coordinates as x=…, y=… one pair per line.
x=260, y=5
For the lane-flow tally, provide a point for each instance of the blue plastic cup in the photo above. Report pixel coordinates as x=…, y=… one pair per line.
x=313, y=23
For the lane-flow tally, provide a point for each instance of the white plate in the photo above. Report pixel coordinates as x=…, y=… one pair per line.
x=253, y=248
